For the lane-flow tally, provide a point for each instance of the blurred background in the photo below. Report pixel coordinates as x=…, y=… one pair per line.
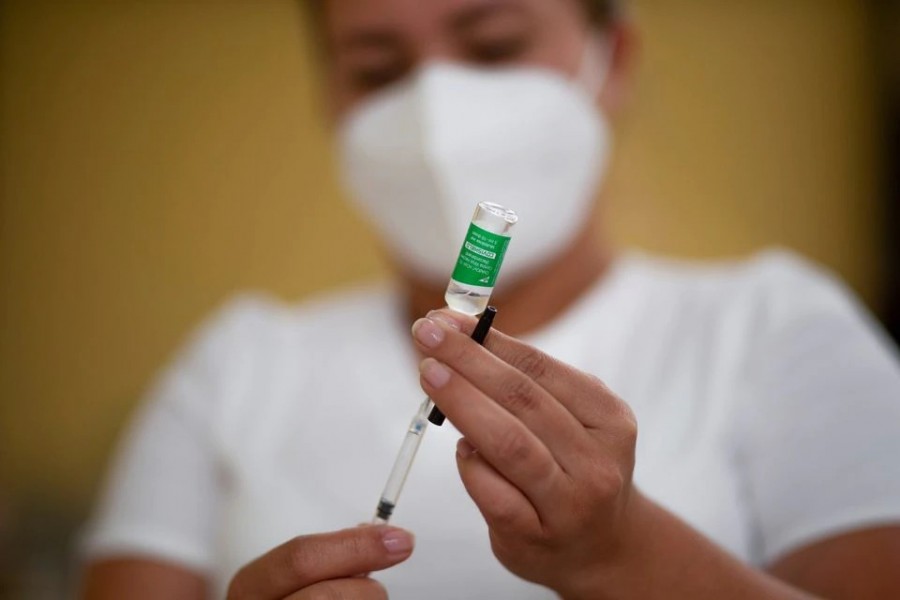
x=156, y=157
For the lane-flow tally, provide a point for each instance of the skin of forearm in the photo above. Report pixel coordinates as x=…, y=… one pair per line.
x=665, y=558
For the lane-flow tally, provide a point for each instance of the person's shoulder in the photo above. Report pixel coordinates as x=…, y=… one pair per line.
x=350, y=308
x=693, y=272
x=254, y=309
x=757, y=295
x=772, y=276
x=785, y=281
x=253, y=320
x=783, y=286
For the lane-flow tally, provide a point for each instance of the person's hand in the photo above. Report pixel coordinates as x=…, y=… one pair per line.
x=547, y=456
x=324, y=566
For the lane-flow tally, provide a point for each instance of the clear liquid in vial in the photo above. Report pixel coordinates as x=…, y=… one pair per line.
x=467, y=299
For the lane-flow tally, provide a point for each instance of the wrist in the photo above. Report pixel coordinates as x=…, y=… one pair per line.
x=607, y=577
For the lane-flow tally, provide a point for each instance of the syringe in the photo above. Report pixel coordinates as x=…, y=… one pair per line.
x=427, y=412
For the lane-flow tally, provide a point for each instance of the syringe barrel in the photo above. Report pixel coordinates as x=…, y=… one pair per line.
x=403, y=463
x=404, y=460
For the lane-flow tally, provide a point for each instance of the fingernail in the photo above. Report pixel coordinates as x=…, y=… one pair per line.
x=443, y=317
x=397, y=541
x=436, y=374
x=428, y=333
x=464, y=448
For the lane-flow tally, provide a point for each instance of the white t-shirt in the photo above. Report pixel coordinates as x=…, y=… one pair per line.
x=768, y=406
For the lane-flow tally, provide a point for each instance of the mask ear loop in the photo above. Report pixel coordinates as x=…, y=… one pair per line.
x=594, y=66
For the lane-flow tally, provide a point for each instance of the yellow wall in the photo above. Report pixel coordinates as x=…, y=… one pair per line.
x=158, y=155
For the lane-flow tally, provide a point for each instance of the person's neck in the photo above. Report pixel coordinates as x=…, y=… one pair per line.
x=537, y=300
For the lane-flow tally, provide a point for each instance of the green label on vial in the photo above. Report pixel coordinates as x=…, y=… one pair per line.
x=480, y=257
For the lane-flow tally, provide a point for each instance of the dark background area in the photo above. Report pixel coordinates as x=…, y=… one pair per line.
x=889, y=44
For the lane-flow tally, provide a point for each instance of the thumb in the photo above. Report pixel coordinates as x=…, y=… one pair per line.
x=309, y=559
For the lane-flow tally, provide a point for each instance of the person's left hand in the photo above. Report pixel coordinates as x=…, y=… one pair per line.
x=547, y=456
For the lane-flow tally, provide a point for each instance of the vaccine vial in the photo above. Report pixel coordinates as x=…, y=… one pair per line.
x=480, y=258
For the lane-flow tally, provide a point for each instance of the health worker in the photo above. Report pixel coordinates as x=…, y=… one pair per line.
x=634, y=427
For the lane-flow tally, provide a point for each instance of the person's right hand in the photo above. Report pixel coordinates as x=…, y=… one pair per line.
x=326, y=566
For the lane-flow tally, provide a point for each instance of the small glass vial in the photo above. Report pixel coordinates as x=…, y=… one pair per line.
x=480, y=258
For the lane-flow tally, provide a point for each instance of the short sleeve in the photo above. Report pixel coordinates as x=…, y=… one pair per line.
x=819, y=432
x=161, y=496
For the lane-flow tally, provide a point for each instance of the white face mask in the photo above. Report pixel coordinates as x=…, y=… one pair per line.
x=418, y=158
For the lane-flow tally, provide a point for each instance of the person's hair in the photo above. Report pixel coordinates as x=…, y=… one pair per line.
x=602, y=12
x=599, y=12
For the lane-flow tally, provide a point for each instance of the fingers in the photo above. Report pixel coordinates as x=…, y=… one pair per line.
x=583, y=395
x=550, y=421
x=503, y=440
x=502, y=505
x=359, y=588
x=310, y=559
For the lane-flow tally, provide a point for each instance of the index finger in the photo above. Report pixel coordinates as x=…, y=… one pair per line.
x=583, y=395
x=309, y=559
